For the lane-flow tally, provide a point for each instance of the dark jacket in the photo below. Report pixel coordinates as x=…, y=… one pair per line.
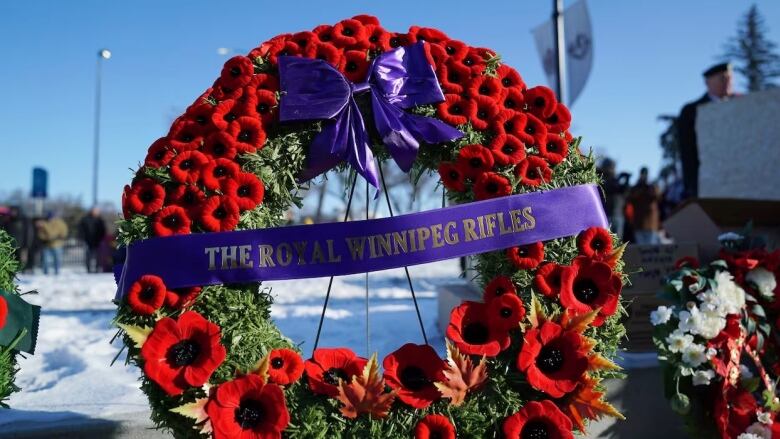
x=92, y=230
x=689, y=147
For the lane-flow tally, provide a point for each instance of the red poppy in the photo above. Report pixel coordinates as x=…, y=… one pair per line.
x=146, y=295
x=225, y=112
x=473, y=160
x=485, y=110
x=534, y=131
x=594, y=241
x=687, y=261
x=246, y=189
x=457, y=50
x=220, y=144
x=349, y=33
x=499, y=286
x=171, y=220
x=179, y=298
x=509, y=77
x=427, y=34
x=553, y=360
x=434, y=427
x=306, y=42
x=264, y=81
x=182, y=353
x=533, y=171
x=263, y=104
x=513, y=100
x=473, y=332
x=329, y=53
x=367, y=19
x=526, y=257
x=218, y=171
x=328, y=366
x=587, y=285
x=547, y=279
x=324, y=32
x=507, y=150
x=538, y=419
x=454, y=76
x=411, y=371
x=451, y=177
x=355, y=65
x=491, y=185
x=200, y=112
x=285, y=366
x=3, y=311
x=285, y=47
x=507, y=311
x=160, y=153
x=222, y=92
x=436, y=55
x=399, y=39
x=554, y=150
x=541, y=101
x=378, y=38
x=219, y=214
x=190, y=197
x=488, y=86
x=247, y=408
x=186, y=167
x=145, y=197
x=455, y=110
x=474, y=59
x=185, y=135
x=249, y=134
x=513, y=123
x=560, y=120
x=264, y=48
x=237, y=72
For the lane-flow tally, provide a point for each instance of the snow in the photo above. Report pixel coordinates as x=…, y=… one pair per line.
x=70, y=374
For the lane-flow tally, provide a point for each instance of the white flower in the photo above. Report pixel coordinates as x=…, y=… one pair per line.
x=765, y=418
x=731, y=296
x=758, y=430
x=730, y=236
x=678, y=341
x=693, y=355
x=689, y=320
x=661, y=315
x=710, y=325
x=703, y=377
x=749, y=436
x=711, y=353
x=764, y=280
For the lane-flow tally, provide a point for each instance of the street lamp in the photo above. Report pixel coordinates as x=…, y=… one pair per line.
x=102, y=54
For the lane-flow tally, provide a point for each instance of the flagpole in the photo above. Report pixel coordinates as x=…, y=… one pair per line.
x=560, y=50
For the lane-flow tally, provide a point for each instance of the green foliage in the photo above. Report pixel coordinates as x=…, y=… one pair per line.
x=9, y=266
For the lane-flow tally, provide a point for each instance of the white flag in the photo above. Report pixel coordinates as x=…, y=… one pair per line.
x=579, y=48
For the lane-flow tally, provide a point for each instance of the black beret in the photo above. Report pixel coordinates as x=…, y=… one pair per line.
x=717, y=68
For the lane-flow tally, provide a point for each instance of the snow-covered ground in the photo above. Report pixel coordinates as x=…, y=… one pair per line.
x=69, y=375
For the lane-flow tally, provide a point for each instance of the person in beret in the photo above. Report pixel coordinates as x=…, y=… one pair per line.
x=718, y=80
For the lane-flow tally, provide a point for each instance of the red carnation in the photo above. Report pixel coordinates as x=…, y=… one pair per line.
x=526, y=257
x=491, y=185
x=427, y=34
x=554, y=150
x=513, y=100
x=246, y=189
x=249, y=134
x=560, y=120
x=220, y=144
x=411, y=371
x=248, y=408
x=488, y=86
x=553, y=360
x=355, y=65
x=473, y=160
x=146, y=295
x=455, y=110
x=434, y=427
x=349, y=34
x=160, y=153
x=594, y=241
x=179, y=298
x=538, y=419
x=186, y=167
x=144, y=197
x=3, y=311
x=285, y=366
x=219, y=214
x=451, y=177
x=547, y=279
x=187, y=196
x=587, y=285
x=541, y=101
x=473, y=332
x=237, y=72
x=507, y=311
x=328, y=366
x=171, y=220
x=499, y=286
x=533, y=171
x=218, y=171
x=185, y=135
x=509, y=77
x=182, y=353
x=457, y=50
x=507, y=150
x=485, y=111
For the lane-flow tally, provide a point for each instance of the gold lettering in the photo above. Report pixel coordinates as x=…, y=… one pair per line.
x=481, y=223
x=517, y=222
x=423, y=233
x=357, y=247
x=244, y=256
x=284, y=254
x=502, y=228
x=316, y=254
x=529, y=216
x=300, y=249
x=399, y=240
x=490, y=220
x=468, y=229
x=229, y=257
x=450, y=236
x=436, y=230
x=413, y=240
x=266, y=253
x=384, y=243
x=332, y=256
x=212, y=251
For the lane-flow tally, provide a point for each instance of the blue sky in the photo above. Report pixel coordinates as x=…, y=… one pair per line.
x=648, y=60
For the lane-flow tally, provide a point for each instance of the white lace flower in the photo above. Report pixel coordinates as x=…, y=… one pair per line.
x=689, y=319
x=693, y=355
x=759, y=430
x=703, y=377
x=764, y=418
x=764, y=280
x=678, y=341
x=661, y=315
x=732, y=297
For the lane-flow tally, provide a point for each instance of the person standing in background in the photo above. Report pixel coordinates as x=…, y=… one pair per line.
x=615, y=190
x=92, y=230
x=645, y=197
x=718, y=80
x=52, y=233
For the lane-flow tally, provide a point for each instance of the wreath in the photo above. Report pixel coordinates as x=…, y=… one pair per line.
x=718, y=343
x=527, y=362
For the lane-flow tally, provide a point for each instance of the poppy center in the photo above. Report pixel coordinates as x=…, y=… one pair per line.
x=147, y=293
x=553, y=119
x=453, y=77
x=509, y=126
x=187, y=137
x=262, y=108
x=185, y=164
x=506, y=82
x=508, y=149
x=201, y=119
x=189, y=198
x=484, y=90
x=434, y=435
x=535, y=430
x=220, y=212
x=550, y=359
x=476, y=333
x=475, y=162
x=395, y=42
x=586, y=291
x=597, y=244
x=244, y=191
x=147, y=196
x=373, y=38
x=218, y=149
x=159, y=155
x=230, y=117
x=499, y=291
x=468, y=61
x=453, y=175
x=171, y=221
x=277, y=363
x=413, y=378
x=506, y=312
x=539, y=102
x=348, y=32
x=220, y=171
x=244, y=136
x=482, y=114
x=351, y=66
x=510, y=103
x=332, y=376
x=235, y=71
x=492, y=187
x=529, y=129
x=455, y=109
x=183, y=353
x=551, y=147
x=522, y=252
x=249, y=413
x=532, y=174
x=450, y=50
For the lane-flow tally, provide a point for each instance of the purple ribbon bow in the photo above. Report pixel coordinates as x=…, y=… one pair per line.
x=397, y=80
